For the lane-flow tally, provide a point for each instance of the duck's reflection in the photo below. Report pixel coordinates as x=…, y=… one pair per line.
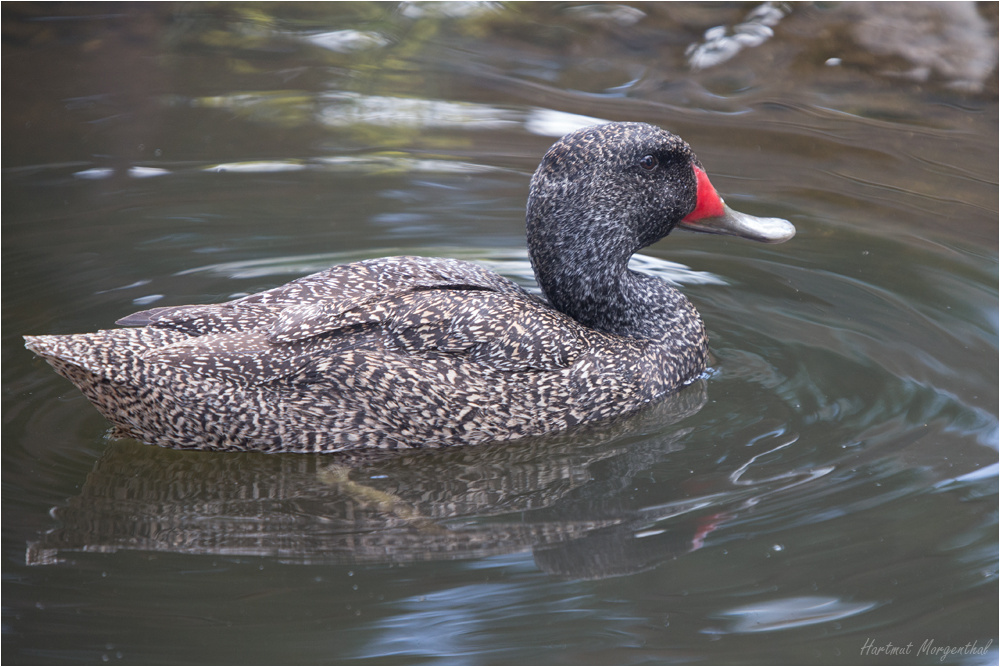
x=564, y=498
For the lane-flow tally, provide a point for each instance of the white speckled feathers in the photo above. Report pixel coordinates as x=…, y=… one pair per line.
x=401, y=304
x=393, y=352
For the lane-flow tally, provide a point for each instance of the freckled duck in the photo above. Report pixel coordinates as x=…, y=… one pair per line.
x=416, y=352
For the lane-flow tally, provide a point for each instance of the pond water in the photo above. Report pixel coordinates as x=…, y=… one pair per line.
x=827, y=493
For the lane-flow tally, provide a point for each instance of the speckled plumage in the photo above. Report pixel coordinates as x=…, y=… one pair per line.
x=417, y=352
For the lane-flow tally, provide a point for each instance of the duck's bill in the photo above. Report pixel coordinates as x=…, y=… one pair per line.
x=734, y=223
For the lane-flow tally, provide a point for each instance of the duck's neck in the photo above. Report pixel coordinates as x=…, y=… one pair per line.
x=582, y=268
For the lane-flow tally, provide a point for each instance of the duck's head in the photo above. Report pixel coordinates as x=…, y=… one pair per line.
x=602, y=193
x=627, y=185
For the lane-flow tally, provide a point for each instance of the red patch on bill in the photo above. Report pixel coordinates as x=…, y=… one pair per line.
x=709, y=203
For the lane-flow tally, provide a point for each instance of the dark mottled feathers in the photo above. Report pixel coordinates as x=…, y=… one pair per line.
x=413, y=352
x=395, y=352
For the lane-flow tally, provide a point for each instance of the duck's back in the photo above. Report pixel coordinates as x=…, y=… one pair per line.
x=394, y=352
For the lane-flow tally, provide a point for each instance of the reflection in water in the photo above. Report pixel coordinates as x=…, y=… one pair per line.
x=565, y=498
x=546, y=495
x=950, y=41
x=349, y=110
x=789, y=613
x=720, y=44
x=345, y=41
x=513, y=264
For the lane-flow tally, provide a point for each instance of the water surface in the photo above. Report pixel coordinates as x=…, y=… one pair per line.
x=828, y=488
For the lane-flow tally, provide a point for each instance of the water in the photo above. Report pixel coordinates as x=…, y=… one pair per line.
x=828, y=489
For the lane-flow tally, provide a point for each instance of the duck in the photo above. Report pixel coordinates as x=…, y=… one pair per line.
x=416, y=352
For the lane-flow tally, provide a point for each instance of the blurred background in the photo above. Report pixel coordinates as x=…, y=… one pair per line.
x=830, y=484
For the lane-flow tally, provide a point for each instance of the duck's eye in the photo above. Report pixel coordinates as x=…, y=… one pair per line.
x=649, y=162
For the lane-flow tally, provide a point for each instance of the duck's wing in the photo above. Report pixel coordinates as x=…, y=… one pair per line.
x=302, y=304
x=397, y=306
x=508, y=332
